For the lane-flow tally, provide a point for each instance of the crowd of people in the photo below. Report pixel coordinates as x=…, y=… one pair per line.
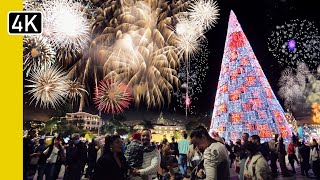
x=199, y=155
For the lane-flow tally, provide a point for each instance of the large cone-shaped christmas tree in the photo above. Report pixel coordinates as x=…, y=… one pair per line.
x=245, y=101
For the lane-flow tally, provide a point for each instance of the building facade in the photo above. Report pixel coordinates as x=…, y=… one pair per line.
x=91, y=122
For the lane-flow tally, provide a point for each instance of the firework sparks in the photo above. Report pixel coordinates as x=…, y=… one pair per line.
x=189, y=35
x=74, y=89
x=48, y=86
x=140, y=50
x=65, y=24
x=37, y=51
x=295, y=41
x=112, y=97
x=196, y=74
x=204, y=12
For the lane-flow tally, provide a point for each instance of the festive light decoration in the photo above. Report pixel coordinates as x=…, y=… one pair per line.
x=316, y=112
x=244, y=101
x=36, y=51
x=295, y=41
x=291, y=120
x=112, y=97
x=49, y=86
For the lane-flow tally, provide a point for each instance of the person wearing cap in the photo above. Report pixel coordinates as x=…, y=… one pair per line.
x=216, y=159
x=134, y=152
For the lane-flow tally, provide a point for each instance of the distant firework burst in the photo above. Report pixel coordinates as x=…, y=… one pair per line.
x=112, y=97
x=295, y=41
x=36, y=51
x=74, y=89
x=197, y=74
x=204, y=12
x=48, y=86
x=65, y=24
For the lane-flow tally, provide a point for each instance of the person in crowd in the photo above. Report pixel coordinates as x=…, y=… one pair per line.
x=112, y=164
x=172, y=169
x=42, y=158
x=52, y=154
x=183, y=146
x=232, y=155
x=243, y=154
x=262, y=148
x=292, y=154
x=151, y=159
x=76, y=158
x=314, y=157
x=273, y=155
x=237, y=149
x=134, y=151
x=256, y=167
x=216, y=159
x=304, y=152
x=92, y=157
x=281, y=149
x=174, y=147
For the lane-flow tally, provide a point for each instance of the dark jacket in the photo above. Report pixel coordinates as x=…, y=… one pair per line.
x=108, y=169
x=243, y=152
x=134, y=154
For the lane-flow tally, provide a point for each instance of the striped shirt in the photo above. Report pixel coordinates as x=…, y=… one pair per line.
x=183, y=146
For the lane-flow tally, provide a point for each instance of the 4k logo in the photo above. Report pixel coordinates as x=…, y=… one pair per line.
x=25, y=22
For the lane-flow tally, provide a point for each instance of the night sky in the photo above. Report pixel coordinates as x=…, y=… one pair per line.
x=257, y=18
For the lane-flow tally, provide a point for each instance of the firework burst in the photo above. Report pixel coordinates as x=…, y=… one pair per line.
x=37, y=51
x=48, y=86
x=295, y=41
x=112, y=97
x=204, y=12
x=137, y=47
x=74, y=89
x=65, y=24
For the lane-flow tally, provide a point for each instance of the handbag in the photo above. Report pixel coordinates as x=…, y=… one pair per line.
x=34, y=160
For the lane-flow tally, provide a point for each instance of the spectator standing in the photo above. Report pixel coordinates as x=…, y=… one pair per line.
x=243, y=154
x=183, y=146
x=216, y=160
x=76, y=158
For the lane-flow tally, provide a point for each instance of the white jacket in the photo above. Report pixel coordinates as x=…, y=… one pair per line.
x=313, y=154
x=150, y=166
x=257, y=169
x=216, y=162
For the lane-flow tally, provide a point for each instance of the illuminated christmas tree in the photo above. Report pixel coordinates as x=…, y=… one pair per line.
x=244, y=100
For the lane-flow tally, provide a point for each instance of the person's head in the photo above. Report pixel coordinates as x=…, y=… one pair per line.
x=200, y=137
x=113, y=144
x=314, y=142
x=146, y=137
x=251, y=148
x=136, y=136
x=245, y=137
x=41, y=142
x=255, y=139
x=185, y=135
x=57, y=141
x=238, y=141
x=164, y=141
x=172, y=139
x=231, y=142
x=75, y=138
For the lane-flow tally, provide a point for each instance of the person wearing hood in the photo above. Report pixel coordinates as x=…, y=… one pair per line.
x=256, y=166
x=216, y=158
